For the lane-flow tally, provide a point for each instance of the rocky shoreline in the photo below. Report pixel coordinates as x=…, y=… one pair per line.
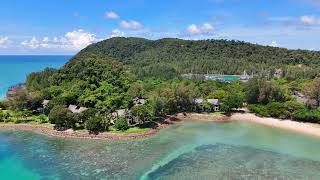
x=81, y=135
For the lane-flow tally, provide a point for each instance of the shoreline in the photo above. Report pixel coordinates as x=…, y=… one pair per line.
x=305, y=128
x=81, y=135
x=311, y=129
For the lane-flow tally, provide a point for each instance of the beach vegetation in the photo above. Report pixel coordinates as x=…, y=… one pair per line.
x=94, y=125
x=62, y=118
x=121, y=124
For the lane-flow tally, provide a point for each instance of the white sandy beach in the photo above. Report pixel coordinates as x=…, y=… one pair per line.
x=305, y=128
x=300, y=127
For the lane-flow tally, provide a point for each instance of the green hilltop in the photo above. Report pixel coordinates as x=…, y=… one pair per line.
x=111, y=75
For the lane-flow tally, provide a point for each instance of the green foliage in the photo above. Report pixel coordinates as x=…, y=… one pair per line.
x=106, y=76
x=39, y=80
x=265, y=91
x=228, y=57
x=286, y=110
x=142, y=113
x=24, y=100
x=86, y=115
x=231, y=102
x=121, y=124
x=94, y=125
x=62, y=118
x=4, y=116
x=306, y=115
x=41, y=119
x=3, y=104
x=312, y=89
x=258, y=109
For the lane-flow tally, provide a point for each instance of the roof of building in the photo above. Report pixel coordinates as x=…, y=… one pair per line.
x=213, y=101
x=137, y=101
x=76, y=109
x=198, y=100
x=120, y=112
x=45, y=102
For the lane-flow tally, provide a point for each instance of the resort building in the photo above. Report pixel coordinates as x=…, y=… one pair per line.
x=139, y=101
x=76, y=109
x=209, y=105
x=45, y=103
x=245, y=77
x=215, y=104
x=125, y=113
x=13, y=90
x=278, y=73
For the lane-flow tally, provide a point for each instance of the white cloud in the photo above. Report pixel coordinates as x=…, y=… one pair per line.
x=116, y=33
x=194, y=29
x=74, y=40
x=4, y=41
x=274, y=44
x=111, y=15
x=206, y=27
x=310, y=20
x=31, y=44
x=80, y=39
x=133, y=25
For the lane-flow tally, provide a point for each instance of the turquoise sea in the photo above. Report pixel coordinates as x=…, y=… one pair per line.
x=187, y=150
x=14, y=69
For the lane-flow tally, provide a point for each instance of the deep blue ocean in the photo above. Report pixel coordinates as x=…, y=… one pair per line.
x=14, y=69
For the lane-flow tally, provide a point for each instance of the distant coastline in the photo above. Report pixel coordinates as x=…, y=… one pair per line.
x=298, y=127
x=31, y=63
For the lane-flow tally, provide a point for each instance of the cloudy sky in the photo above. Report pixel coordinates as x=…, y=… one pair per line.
x=67, y=26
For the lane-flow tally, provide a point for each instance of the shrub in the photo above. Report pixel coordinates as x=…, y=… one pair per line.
x=3, y=104
x=17, y=121
x=277, y=110
x=62, y=118
x=94, y=125
x=231, y=102
x=1, y=115
x=86, y=115
x=142, y=113
x=41, y=119
x=58, y=101
x=121, y=124
x=258, y=109
x=306, y=115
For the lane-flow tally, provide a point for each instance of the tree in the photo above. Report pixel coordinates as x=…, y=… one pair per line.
x=313, y=90
x=142, y=113
x=86, y=115
x=265, y=91
x=230, y=102
x=94, y=125
x=4, y=116
x=62, y=118
x=121, y=124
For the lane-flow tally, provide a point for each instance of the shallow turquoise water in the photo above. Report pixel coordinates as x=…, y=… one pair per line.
x=14, y=69
x=187, y=150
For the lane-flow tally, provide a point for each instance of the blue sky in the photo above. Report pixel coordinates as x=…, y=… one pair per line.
x=67, y=26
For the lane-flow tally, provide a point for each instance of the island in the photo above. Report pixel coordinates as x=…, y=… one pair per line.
x=127, y=88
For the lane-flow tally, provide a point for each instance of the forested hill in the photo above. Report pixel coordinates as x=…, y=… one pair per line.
x=170, y=56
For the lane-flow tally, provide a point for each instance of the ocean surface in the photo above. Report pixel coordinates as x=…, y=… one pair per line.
x=186, y=150
x=14, y=69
